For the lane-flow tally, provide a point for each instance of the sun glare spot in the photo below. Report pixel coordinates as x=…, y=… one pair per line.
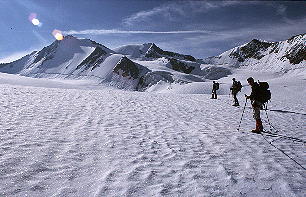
x=35, y=21
x=57, y=34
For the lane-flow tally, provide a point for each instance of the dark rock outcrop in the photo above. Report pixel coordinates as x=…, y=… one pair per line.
x=94, y=59
x=156, y=52
x=297, y=54
x=251, y=50
x=180, y=66
x=127, y=68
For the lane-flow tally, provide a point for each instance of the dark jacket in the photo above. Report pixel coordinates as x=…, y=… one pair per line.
x=255, y=94
x=235, y=87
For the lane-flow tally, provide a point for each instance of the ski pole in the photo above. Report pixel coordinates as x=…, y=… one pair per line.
x=242, y=113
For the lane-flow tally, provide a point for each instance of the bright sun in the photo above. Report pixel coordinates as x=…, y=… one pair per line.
x=35, y=21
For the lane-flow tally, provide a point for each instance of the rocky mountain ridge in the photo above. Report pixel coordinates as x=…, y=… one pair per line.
x=287, y=55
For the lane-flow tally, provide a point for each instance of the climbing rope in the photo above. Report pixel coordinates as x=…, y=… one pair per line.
x=283, y=152
x=277, y=131
x=274, y=134
x=271, y=126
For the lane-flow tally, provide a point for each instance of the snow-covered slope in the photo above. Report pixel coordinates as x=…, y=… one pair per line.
x=269, y=56
x=68, y=57
x=61, y=139
x=83, y=138
x=77, y=58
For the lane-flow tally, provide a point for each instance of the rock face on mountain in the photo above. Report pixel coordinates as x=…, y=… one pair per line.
x=261, y=55
x=127, y=68
x=297, y=53
x=93, y=60
x=156, y=52
x=152, y=78
x=252, y=49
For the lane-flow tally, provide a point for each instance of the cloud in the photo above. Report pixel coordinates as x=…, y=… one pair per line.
x=165, y=11
x=182, y=11
x=173, y=11
x=115, y=31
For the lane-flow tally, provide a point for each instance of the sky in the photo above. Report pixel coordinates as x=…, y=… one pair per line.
x=197, y=28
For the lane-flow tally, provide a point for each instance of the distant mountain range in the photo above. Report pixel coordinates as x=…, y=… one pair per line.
x=268, y=56
x=138, y=67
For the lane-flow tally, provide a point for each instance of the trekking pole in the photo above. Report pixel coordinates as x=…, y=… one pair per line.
x=242, y=113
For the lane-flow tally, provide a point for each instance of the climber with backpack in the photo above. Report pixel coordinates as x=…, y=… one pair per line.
x=235, y=88
x=259, y=96
x=214, y=90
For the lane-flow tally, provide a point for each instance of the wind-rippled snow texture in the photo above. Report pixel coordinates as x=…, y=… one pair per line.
x=72, y=142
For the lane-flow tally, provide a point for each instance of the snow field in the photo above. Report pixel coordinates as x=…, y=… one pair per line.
x=106, y=142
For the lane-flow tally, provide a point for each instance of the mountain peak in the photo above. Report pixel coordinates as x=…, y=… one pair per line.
x=149, y=45
x=71, y=41
x=258, y=44
x=259, y=54
x=152, y=44
x=255, y=40
x=296, y=37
